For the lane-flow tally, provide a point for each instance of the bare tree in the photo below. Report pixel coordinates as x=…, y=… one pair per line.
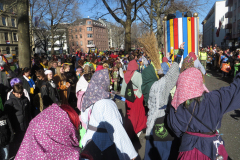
x=125, y=13
x=51, y=14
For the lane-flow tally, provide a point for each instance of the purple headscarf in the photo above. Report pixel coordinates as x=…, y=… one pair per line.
x=50, y=135
x=15, y=81
x=97, y=88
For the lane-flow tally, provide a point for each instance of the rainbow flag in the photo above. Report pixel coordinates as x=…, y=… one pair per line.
x=179, y=30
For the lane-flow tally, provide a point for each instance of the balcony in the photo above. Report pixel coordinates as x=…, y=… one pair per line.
x=229, y=3
x=228, y=14
x=228, y=26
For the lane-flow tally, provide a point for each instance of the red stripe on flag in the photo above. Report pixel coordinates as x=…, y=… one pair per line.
x=193, y=35
x=175, y=30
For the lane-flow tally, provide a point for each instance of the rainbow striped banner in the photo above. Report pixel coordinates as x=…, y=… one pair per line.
x=179, y=30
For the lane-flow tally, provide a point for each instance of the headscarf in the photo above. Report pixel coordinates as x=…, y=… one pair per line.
x=189, y=85
x=50, y=135
x=165, y=60
x=97, y=88
x=99, y=67
x=165, y=67
x=188, y=62
x=132, y=67
x=159, y=94
x=148, y=78
x=193, y=55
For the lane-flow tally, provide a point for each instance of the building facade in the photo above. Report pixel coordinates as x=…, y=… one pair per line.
x=214, y=23
x=8, y=28
x=85, y=34
x=233, y=23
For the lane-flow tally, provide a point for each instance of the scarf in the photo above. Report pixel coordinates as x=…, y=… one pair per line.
x=30, y=83
x=188, y=62
x=132, y=67
x=189, y=85
x=97, y=89
x=148, y=78
x=44, y=66
x=50, y=135
x=158, y=96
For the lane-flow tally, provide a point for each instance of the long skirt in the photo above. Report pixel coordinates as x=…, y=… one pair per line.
x=136, y=118
x=193, y=154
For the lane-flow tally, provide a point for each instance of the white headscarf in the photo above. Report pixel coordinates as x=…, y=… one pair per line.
x=47, y=72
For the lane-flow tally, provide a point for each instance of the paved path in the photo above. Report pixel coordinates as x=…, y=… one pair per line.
x=230, y=122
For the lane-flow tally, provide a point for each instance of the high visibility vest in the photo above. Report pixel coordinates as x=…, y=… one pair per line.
x=203, y=56
x=160, y=57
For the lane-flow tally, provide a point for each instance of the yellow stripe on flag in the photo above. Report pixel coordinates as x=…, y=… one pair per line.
x=171, y=38
x=189, y=28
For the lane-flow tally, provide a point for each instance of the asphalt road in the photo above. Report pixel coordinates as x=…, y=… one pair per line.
x=230, y=123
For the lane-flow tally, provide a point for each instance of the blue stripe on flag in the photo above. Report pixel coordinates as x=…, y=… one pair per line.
x=185, y=37
x=168, y=37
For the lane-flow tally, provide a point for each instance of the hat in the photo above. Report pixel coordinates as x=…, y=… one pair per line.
x=47, y=72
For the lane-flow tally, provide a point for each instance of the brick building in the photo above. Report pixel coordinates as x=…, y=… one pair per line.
x=85, y=34
x=8, y=28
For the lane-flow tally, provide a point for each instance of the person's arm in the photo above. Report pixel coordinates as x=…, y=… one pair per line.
x=121, y=72
x=199, y=66
x=226, y=98
x=113, y=123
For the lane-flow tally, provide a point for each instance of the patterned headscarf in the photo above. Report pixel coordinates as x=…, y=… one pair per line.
x=132, y=67
x=189, y=85
x=50, y=135
x=97, y=88
x=188, y=62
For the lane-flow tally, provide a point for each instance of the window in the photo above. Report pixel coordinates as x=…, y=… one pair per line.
x=80, y=35
x=13, y=22
x=75, y=29
x=1, y=6
x=80, y=29
x=6, y=36
x=90, y=42
x=16, y=50
x=72, y=43
x=15, y=36
x=4, y=21
x=77, y=43
x=76, y=36
x=81, y=43
x=11, y=10
x=89, y=35
x=8, y=50
x=89, y=22
x=89, y=28
x=71, y=31
x=72, y=36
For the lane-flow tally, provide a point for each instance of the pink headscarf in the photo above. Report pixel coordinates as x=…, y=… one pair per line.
x=99, y=67
x=192, y=54
x=164, y=59
x=189, y=85
x=132, y=67
x=50, y=135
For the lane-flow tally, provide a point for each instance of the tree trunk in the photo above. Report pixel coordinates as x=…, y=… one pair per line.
x=159, y=34
x=128, y=34
x=52, y=39
x=23, y=34
x=151, y=17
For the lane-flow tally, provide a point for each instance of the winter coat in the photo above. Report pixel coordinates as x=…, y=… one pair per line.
x=6, y=131
x=19, y=112
x=49, y=94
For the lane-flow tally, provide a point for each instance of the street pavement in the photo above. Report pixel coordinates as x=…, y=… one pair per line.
x=230, y=123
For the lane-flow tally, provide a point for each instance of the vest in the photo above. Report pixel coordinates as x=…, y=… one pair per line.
x=203, y=56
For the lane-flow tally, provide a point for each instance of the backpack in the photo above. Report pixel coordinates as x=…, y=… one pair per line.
x=129, y=93
x=5, y=130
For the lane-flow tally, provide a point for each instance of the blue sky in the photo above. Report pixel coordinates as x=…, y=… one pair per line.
x=86, y=10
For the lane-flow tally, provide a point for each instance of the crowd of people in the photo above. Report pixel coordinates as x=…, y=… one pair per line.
x=63, y=106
